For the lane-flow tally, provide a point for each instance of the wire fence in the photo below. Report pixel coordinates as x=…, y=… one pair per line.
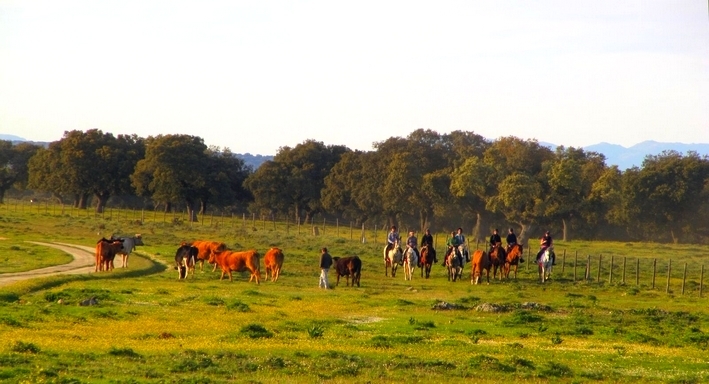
x=682, y=277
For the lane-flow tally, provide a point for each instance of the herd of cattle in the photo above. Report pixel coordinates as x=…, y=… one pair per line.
x=188, y=255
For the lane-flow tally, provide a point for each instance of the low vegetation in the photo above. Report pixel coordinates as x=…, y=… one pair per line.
x=150, y=327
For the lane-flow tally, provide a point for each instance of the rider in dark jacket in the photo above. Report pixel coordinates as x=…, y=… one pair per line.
x=427, y=240
x=511, y=239
x=495, y=239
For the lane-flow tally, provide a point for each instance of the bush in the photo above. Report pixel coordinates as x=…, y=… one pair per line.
x=22, y=347
x=256, y=331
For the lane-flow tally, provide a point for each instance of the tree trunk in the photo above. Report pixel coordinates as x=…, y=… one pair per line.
x=168, y=207
x=191, y=211
x=524, y=237
x=102, y=200
x=2, y=196
x=476, y=232
x=83, y=201
x=565, y=230
x=392, y=221
x=423, y=220
x=675, y=240
x=202, y=207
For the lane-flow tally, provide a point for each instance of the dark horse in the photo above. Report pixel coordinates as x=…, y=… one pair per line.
x=426, y=259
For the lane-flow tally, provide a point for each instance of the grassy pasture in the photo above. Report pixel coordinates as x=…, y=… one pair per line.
x=149, y=327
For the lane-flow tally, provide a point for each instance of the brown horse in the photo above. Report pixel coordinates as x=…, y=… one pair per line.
x=497, y=258
x=480, y=263
x=514, y=257
x=426, y=260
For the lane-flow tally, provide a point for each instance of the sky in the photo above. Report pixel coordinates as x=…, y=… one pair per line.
x=255, y=76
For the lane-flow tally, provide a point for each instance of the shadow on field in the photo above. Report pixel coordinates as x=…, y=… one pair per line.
x=13, y=292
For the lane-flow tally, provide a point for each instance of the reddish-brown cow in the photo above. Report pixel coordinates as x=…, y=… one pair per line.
x=106, y=251
x=238, y=262
x=273, y=261
x=206, y=250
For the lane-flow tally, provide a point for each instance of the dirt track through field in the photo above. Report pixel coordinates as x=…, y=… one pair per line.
x=83, y=263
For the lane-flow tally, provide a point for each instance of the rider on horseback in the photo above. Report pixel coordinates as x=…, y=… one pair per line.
x=392, y=238
x=495, y=239
x=453, y=244
x=427, y=241
x=546, y=242
x=411, y=243
x=511, y=239
x=461, y=244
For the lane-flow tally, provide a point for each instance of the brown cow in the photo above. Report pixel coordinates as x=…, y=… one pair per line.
x=106, y=251
x=206, y=250
x=238, y=262
x=350, y=267
x=481, y=261
x=273, y=261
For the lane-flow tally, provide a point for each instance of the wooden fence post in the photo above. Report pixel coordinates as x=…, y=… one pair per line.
x=669, y=272
x=600, y=260
x=375, y=232
x=701, y=281
x=684, y=277
x=637, y=271
x=588, y=268
x=563, y=262
x=576, y=260
x=624, y=269
x=654, y=272
x=337, y=225
x=610, y=274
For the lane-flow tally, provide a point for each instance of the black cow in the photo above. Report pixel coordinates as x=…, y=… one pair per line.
x=350, y=267
x=185, y=260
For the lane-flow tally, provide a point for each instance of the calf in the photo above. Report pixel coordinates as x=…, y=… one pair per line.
x=106, y=251
x=129, y=244
x=206, y=250
x=238, y=262
x=273, y=261
x=185, y=260
x=350, y=267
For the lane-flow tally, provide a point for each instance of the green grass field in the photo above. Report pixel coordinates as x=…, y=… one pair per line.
x=151, y=328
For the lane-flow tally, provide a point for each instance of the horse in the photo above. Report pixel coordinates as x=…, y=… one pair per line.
x=545, y=265
x=453, y=265
x=410, y=262
x=497, y=258
x=480, y=262
x=426, y=260
x=514, y=257
x=392, y=259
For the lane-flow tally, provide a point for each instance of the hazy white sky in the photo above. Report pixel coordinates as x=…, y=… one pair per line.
x=257, y=75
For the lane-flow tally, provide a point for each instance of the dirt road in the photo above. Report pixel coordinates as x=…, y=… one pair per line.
x=83, y=263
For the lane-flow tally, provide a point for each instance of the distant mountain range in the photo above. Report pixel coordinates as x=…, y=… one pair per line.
x=615, y=154
x=633, y=156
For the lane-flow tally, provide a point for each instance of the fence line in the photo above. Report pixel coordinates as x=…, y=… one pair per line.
x=645, y=272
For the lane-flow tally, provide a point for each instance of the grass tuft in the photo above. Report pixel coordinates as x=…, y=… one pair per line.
x=22, y=347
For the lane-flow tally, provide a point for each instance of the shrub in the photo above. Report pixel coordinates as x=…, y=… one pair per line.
x=256, y=331
x=22, y=347
x=239, y=306
x=124, y=352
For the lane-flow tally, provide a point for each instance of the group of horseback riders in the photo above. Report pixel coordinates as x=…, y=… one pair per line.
x=456, y=243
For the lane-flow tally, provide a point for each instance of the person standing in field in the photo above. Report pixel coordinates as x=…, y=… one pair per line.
x=325, y=264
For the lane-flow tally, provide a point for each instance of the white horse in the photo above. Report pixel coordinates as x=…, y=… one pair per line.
x=392, y=259
x=410, y=263
x=545, y=265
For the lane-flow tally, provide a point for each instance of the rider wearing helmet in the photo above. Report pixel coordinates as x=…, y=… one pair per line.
x=545, y=243
x=411, y=243
x=392, y=238
x=452, y=244
x=511, y=239
x=495, y=239
x=427, y=240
